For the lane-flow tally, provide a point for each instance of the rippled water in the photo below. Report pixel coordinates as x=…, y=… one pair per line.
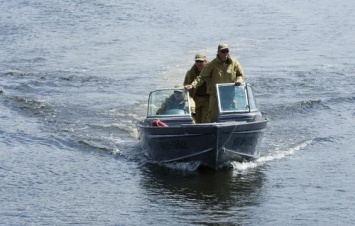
x=74, y=79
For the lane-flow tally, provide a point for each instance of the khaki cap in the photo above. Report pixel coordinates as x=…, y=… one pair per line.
x=222, y=46
x=200, y=56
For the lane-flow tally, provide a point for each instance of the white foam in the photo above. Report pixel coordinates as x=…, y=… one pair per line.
x=273, y=155
x=183, y=166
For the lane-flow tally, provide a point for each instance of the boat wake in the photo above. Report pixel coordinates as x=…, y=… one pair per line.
x=284, y=153
x=183, y=166
x=245, y=166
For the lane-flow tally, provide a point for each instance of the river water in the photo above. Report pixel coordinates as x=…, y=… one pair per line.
x=74, y=79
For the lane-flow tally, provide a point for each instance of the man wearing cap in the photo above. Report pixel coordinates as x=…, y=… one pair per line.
x=199, y=94
x=174, y=101
x=222, y=69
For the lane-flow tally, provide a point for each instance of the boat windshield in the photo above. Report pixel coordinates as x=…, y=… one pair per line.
x=232, y=98
x=168, y=102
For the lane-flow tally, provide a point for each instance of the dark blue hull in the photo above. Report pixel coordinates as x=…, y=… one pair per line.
x=213, y=144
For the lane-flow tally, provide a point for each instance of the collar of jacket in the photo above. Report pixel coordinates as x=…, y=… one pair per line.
x=228, y=61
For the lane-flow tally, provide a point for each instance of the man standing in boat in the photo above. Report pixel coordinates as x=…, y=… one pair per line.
x=222, y=69
x=199, y=94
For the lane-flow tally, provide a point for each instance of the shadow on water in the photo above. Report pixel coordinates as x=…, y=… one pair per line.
x=225, y=188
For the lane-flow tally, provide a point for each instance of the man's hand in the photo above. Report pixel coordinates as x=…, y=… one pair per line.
x=238, y=81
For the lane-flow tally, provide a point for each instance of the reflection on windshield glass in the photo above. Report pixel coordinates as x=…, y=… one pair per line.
x=232, y=98
x=168, y=102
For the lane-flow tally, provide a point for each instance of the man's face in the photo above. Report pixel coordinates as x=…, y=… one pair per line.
x=200, y=64
x=223, y=54
x=179, y=95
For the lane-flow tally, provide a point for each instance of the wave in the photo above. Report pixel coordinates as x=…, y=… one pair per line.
x=183, y=166
x=34, y=107
x=345, y=99
x=17, y=73
x=272, y=156
x=300, y=107
x=98, y=145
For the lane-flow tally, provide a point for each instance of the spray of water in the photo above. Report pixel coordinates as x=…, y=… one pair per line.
x=273, y=155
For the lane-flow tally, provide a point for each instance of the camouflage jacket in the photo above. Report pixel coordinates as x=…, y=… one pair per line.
x=191, y=75
x=217, y=72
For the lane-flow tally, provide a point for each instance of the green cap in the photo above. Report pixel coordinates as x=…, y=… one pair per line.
x=222, y=46
x=200, y=56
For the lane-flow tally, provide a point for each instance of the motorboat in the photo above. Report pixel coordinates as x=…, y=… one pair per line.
x=171, y=135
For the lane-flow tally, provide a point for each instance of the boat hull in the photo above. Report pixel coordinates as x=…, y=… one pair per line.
x=213, y=145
